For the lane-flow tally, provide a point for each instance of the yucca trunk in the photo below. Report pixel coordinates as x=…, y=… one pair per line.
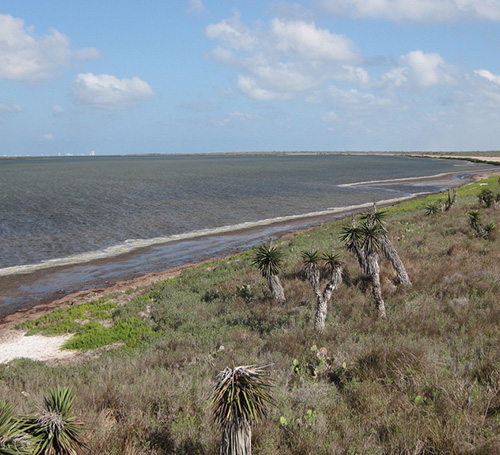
x=322, y=300
x=276, y=288
x=373, y=270
x=392, y=255
x=361, y=255
x=236, y=439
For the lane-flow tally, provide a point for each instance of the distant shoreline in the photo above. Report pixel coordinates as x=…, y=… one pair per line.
x=483, y=156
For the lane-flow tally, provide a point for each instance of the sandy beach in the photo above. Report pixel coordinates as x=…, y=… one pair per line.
x=14, y=344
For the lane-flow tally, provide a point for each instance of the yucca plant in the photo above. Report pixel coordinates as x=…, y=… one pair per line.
x=365, y=242
x=432, y=209
x=475, y=223
x=54, y=429
x=375, y=222
x=239, y=400
x=13, y=440
x=333, y=266
x=268, y=259
x=486, y=197
x=310, y=266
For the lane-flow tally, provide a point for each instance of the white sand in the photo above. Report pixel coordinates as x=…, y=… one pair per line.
x=13, y=345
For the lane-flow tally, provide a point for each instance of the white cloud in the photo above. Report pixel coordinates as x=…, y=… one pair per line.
x=11, y=109
x=285, y=59
x=426, y=11
x=233, y=34
x=48, y=137
x=488, y=75
x=419, y=70
x=196, y=7
x=108, y=92
x=356, y=100
x=250, y=86
x=29, y=58
x=24, y=57
x=305, y=40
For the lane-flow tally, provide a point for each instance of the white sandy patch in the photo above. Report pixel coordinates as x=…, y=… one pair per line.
x=14, y=345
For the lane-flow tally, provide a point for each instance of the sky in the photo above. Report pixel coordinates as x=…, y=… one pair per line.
x=202, y=76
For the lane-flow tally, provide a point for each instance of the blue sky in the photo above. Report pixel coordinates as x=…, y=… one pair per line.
x=188, y=76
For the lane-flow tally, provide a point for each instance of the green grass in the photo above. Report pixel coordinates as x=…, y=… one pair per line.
x=424, y=381
x=60, y=322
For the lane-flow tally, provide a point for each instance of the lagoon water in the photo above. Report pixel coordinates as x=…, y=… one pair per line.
x=67, y=212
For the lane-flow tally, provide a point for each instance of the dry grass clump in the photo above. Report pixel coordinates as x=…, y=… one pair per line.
x=425, y=381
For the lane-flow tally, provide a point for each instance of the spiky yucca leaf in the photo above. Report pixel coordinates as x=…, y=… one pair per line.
x=474, y=218
x=370, y=235
x=331, y=260
x=432, y=209
x=268, y=260
x=12, y=439
x=375, y=217
x=490, y=227
x=351, y=236
x=310, y=261
x=55, y=429
x=241, y=395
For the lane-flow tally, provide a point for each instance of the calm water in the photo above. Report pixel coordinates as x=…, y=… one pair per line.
x=66, y=211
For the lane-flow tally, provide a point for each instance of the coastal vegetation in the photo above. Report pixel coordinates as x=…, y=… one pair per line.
x=423, y=380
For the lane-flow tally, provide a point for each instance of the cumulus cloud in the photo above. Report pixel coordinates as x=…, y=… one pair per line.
x=108, y=92
x=233, y=34
x=419, y=70
x=29, y=58
x=10, y=109
x=24, y=57
x=251, y=87
x=424, y=11
x=305, y=40
x=285, y=59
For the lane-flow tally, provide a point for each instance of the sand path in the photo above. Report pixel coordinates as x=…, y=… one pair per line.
x=14, y=345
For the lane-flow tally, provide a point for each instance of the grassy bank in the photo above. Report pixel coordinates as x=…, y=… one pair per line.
x=426, y=380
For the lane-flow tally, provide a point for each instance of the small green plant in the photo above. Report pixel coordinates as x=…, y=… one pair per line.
x=131, y=332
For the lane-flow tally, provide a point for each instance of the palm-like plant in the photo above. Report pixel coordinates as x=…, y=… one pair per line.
x=13, y=441
x=374, y=231
x=239, y=399
x=474, y=219
x=486, y=197
x=54, y=429
x=268, y=260
x=432, y=209
x=364, y=241
x=310, y=267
